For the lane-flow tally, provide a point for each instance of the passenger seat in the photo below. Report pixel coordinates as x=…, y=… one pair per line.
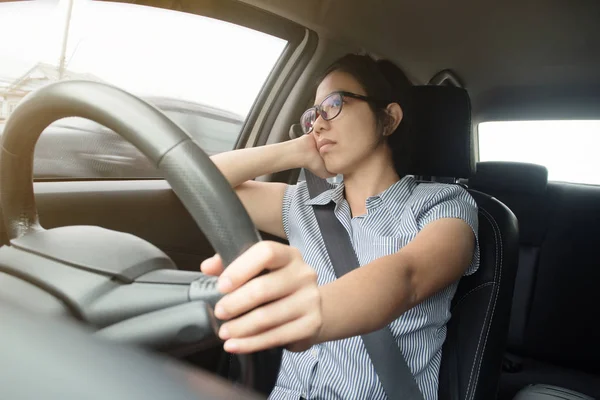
x=553, y=335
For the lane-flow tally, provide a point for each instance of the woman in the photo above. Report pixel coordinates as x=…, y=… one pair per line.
x=414, y=242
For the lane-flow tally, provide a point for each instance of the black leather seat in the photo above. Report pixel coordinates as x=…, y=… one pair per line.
x=523, y=188
x=550, y=341
x=442, y=146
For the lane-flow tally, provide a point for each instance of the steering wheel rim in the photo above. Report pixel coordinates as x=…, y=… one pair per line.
x=186, y=167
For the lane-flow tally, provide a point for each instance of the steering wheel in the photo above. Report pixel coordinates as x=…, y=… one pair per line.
x=122, y=288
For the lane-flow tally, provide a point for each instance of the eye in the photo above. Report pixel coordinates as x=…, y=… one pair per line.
x=333, y=101
x=332, y=106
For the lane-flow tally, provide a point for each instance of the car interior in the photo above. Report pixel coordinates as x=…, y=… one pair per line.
x=100, y=290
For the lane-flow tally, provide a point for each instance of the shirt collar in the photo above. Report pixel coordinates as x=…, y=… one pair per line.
x=398, y=190
x=336, y=194
x=395, y=192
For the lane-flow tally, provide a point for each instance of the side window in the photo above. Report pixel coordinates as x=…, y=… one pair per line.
x=203, y=73
x=568, y=149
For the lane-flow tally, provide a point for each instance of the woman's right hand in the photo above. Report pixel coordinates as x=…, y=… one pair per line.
x=262, y=311
x=307, y=145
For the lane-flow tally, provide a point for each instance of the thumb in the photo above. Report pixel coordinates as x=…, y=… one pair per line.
x=212, y=266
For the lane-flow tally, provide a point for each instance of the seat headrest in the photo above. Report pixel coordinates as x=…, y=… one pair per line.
x=496, y=176
x=442, y=145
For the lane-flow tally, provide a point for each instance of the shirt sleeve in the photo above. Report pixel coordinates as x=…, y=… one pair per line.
x=453, y=201
x=288, y=196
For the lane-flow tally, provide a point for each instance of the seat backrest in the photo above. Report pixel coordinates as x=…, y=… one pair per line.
x=477, y=331
x=558, y=264
x=562, y=322
x=522, y=187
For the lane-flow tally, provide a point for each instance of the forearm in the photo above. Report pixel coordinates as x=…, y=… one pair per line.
x=366, y=299
x=372, y=296
x=239, y=166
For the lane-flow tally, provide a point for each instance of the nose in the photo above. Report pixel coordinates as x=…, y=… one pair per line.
x=320, y=124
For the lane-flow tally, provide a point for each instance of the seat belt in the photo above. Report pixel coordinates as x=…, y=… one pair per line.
x=394, y=374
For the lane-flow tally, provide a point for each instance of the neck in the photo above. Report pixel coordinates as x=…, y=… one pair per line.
x=372, y=177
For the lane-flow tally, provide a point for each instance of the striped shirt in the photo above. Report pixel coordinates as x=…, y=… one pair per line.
x=342, y=369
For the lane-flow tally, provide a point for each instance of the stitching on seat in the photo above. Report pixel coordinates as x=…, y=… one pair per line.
x=470, y=292
x=496, y=296
x=469, y=394
x=493, y=301
x=498, y=272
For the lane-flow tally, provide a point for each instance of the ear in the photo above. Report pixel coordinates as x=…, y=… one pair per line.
x=395, y=115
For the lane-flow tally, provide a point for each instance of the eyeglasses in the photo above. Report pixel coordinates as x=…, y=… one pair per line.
x=329, y=108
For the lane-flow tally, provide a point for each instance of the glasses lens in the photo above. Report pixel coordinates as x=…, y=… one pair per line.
x=307, y=120
x=331, y=106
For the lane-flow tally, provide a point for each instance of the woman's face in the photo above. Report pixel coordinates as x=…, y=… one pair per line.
x=349, y=139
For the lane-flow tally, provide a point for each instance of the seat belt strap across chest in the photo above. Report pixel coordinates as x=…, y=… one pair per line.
x=394, y=374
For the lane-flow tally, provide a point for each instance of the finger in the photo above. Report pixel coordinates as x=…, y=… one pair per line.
x=294, y=331
x=264, y=289
x=212, y=266
x=268, y=316
x=261, y=256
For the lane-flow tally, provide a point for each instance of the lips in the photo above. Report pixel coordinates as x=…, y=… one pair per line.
x=324, y=142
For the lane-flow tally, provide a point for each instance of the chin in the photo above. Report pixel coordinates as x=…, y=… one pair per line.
x=336, y=167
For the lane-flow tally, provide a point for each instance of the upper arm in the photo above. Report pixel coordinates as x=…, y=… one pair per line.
x=264, y=202
x=439, y=255
x=446, y=247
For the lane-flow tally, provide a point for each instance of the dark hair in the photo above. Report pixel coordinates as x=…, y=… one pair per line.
x=384, y=81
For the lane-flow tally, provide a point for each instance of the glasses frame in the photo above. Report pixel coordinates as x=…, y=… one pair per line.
x=342, y=94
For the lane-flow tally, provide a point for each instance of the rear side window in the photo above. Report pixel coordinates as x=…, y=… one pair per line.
x=203, y=73
x=569, y=149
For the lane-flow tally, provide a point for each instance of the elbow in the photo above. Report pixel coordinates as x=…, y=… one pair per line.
x=241, y=187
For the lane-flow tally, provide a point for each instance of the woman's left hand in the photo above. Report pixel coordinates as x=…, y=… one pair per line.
x=279, y=308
